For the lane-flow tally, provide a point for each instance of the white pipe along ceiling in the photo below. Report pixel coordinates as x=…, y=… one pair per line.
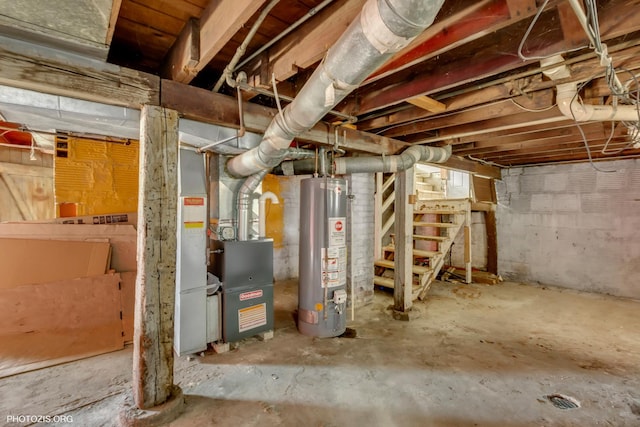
x=382, y=28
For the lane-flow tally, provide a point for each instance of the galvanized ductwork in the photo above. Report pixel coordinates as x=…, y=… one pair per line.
x=382, y=28
x=371, y=164
x=251, y=184
x=408, y=158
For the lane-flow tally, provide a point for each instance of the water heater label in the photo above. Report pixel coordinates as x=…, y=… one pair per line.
x=334, y=267
x=337, y=231
x=251, y=295
x=252, y=317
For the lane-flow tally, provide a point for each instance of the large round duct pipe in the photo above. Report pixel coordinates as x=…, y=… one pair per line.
x=371, y=164
x=382, y=28
x=244, y=202
x=251, y=184
x=408, y=158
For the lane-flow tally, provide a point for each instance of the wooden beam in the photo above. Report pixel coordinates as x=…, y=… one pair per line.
x=538, y=101
x=469, y=23
x=182, y=60
x=219, y=22
x=309, y=43
x=206, y=106
x=428, y=78
x=403, y=261
x=458, y=163
x=157, y=246
x=428, y=104
x=514, y=121
x=46, y=70
x=492, y=241
x=113, y=18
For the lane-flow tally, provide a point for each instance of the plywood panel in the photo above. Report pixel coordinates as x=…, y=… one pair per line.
x=26, y=191
x=25, y=261
x=123, y=238
x=47, y=324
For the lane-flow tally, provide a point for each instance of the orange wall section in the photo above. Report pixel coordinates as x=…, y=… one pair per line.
x=100, y=177
x=274, y=212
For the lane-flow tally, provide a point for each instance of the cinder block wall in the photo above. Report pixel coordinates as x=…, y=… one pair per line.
x=572, y=226
x=359, y=240
x=285, y=262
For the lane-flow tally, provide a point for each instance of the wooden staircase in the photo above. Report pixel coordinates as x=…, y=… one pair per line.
x=436, y=223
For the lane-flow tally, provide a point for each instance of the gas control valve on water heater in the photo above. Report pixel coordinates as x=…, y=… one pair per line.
x=322, y=296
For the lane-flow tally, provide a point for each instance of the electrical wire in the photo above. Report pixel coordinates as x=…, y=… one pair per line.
x=584, y=137
x=522, y=107
x=528, y=32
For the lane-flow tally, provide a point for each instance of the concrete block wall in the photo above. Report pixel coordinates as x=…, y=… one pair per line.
x=572, y=226
x=285, y=262
x=360, y=239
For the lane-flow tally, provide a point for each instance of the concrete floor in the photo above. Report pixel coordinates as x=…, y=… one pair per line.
x=478, y=356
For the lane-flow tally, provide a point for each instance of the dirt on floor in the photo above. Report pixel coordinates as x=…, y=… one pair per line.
x=478, y=355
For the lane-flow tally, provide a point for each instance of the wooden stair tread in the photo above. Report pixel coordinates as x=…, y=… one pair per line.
x=434, y=224
x=426, y=237
x=417, y=269
x=383, y=281
x=416, y=252
x=438, y=211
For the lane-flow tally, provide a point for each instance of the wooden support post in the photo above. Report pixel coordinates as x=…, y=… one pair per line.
x=467, y=245
x=492, y=241
x=157, y=243
x=377, y=218
x=403, y=280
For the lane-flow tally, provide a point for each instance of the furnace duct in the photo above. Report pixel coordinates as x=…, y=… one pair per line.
x=372, y=164
x=251, y=184
x=382, y=28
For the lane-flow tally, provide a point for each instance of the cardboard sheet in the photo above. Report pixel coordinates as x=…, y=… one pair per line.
x=122, y=238
x=50, y=323
x=29, y=261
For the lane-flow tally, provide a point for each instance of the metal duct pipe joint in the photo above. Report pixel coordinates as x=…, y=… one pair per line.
x=411, y=156
x=244, y=203
x=251, y=184
x=384, y=27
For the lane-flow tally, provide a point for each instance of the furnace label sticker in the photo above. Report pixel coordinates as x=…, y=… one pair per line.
x=193, y=213
x=252, y=317
x=337, y=231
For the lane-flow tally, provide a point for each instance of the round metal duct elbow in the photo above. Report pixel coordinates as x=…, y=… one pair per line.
x=392, y=164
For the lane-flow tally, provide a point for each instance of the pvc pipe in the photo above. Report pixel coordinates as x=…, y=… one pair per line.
x=568, y=104
x=382, y=28
x=262, y=215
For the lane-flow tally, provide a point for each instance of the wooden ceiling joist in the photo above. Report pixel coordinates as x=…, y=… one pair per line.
x=219, y=22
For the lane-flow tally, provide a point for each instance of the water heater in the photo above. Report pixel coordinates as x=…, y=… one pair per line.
x=322, y=295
